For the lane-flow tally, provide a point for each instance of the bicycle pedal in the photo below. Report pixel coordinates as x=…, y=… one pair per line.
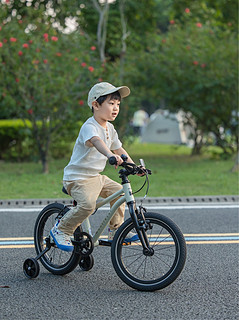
x=128, y=243
x=105, y=243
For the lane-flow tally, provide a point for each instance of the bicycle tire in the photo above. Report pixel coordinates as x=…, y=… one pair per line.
x=56, y=261
x=149, y=273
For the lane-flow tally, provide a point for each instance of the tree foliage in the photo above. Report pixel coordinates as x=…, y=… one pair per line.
x=45, y=78
x=175, y=54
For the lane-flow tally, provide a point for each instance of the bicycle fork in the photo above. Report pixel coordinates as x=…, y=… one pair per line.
x=138, y=218
x=141, y=226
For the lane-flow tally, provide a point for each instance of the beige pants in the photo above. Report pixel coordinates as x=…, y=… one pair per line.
x=86, y=192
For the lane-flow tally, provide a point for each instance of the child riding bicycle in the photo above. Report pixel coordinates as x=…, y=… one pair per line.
x=97, y=141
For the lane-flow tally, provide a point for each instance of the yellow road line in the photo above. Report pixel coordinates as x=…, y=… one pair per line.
x=206, y=241
x=14, y=246
x=165, y=243
x=162, y=235
x=16, y=239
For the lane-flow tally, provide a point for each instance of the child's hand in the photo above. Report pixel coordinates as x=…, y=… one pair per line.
x=119, y=160
x=117, y=157
x=142, y=171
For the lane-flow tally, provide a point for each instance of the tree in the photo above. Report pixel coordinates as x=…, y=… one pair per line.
x=46, y=76
x=198, y=74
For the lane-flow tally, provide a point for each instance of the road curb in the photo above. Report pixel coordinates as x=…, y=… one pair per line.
x=150, y=200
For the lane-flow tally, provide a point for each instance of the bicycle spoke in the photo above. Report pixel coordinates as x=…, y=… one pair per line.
x=159, y=258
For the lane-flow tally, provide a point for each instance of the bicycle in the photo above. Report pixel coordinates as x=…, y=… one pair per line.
x=151, y=263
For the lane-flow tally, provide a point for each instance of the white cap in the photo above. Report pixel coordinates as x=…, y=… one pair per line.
x=104, y=88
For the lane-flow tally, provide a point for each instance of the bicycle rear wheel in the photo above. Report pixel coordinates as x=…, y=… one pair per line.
x=149, y=272
x=55, y=260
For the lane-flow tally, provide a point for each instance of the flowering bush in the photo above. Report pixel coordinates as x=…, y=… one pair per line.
x=193, y=68
x=198, y=74
x=45, y=78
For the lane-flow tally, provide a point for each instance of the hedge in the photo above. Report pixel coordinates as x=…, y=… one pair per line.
x=18, y=144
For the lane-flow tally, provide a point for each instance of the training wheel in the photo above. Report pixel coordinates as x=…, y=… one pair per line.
x=31, y=268
x=86, y=263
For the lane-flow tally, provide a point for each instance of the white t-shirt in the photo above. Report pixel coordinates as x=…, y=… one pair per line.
x=87, y=161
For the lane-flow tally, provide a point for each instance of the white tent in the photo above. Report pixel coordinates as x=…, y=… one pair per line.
x=166, y=127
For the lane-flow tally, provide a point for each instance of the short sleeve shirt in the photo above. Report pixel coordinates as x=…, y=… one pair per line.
x=87, y=161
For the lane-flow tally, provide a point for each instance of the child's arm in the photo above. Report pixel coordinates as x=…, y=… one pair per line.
x=102, y=148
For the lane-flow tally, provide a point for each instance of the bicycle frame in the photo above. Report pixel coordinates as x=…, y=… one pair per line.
x=126, y=196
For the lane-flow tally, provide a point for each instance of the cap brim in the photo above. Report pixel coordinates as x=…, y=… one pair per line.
x=123, y=90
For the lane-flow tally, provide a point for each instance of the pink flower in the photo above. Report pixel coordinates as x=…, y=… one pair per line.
x=5, y=40
x=83, y=64
x=20, y=53
x=30, y=41
x=0, y=44
x=19, y=21
x=45, y=35
x=54, y=38
x=45, y=61
x=172, y=22
x=199, y=25
x=195, y=63
x=203, y=65
x=58, y=54
x=81, y=102
x=17, y=80
x=100, y=79
x=0, y=28
x=93, y=48
x=30, y=111
x=13, y=39
x=91, y=69
x=76, y=59
x=187, y=10
x=25, y=45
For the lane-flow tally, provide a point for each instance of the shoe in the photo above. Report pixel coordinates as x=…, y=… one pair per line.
x=62, y=240
x=131, y=236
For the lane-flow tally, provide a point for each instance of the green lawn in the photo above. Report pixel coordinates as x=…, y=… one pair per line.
x=175, y=173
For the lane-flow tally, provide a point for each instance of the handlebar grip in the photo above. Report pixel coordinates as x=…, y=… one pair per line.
x=112, y=160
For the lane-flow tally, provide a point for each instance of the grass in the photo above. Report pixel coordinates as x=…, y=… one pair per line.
x=175, y=173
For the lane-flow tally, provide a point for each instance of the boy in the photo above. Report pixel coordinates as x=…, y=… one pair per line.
x=97, y=141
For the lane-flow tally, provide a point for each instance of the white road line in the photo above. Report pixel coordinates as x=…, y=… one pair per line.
x=148, y=207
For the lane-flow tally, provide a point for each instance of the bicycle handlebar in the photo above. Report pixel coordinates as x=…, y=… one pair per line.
x=130, y=167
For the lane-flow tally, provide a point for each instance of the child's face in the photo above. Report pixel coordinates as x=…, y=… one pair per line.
x=108, y=110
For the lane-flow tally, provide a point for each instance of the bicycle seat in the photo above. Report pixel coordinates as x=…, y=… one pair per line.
x=64, y=190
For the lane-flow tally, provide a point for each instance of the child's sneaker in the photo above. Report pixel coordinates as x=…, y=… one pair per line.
x=62, y=240
x=131, y=236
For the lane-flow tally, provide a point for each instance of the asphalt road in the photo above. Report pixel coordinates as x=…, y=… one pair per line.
x=207, y=289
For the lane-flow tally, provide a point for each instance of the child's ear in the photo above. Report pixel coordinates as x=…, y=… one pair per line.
x=95, y=105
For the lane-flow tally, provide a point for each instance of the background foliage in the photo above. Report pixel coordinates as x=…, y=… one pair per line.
x=172, y=54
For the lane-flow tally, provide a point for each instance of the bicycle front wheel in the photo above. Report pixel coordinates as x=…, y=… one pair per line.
x=156, y=271
x=55, y=260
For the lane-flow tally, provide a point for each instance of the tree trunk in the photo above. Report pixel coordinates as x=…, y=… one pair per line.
x=102, y=27
x=198, y=143
x=236, y=164
x=125, y=34
x=42, y=137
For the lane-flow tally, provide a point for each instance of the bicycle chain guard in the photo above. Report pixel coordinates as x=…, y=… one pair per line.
x=83, y=244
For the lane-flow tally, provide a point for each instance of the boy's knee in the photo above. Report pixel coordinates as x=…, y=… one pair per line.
x=86, y=206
